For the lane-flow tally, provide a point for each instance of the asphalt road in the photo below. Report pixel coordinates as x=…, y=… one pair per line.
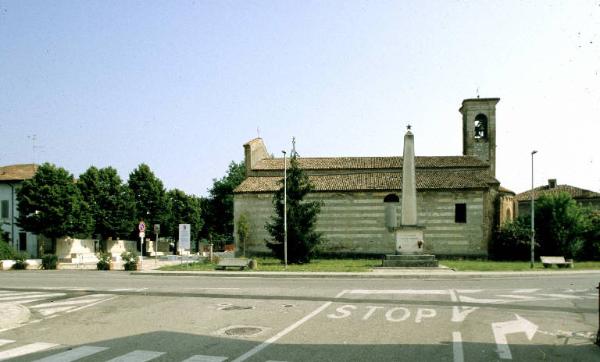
x=101, y=316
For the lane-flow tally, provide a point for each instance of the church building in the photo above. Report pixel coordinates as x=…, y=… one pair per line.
x=458, y=197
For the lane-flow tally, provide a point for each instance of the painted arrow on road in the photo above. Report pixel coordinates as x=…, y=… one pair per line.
x=501, y=329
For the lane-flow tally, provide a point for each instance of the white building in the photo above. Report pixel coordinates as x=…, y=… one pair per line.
x=11, y=178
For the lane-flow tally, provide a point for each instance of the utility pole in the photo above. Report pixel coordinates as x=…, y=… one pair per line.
x=284, y=210
x=532, y=212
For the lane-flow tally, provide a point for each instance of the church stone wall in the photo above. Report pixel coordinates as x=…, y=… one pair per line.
x=354, y=222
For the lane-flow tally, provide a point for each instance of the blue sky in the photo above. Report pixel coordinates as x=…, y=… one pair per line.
x=181, y=85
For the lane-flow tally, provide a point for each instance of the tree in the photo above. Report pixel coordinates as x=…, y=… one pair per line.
x=149, y=195
x=218, y=213
x=111, y=202
x=51, y=204
x=182, y=209
x=559, y=224
x=243, y=231
x=302, y=239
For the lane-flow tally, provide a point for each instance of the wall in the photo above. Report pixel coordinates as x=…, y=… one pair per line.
x=6, y=193
x=355, y=222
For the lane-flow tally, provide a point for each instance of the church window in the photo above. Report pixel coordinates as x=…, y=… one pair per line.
x=481, y=125
x=391, y=198
x=460, y=213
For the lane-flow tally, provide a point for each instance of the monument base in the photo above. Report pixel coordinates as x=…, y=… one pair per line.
x=409, y=240
x=410, y=261
x=409, y=250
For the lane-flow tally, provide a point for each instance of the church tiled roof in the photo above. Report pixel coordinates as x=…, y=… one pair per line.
x=426, y=179
x=352, y=163
x=17, y=172
x=575, y=192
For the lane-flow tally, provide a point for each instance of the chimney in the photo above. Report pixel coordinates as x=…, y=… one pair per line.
x=552, y=183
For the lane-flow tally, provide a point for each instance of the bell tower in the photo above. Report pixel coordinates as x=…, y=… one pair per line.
x=479, y=129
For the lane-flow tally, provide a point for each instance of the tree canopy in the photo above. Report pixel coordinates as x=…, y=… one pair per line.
x=51, y=204
x=218, y=208
x=182, y=209
x=149, y=195
x=111, y=202
x=302, y=239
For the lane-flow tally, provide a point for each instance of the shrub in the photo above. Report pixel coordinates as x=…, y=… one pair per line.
x=103, y=261
x=6, y=251
x=129, y=260
x=20, y=263
x=512, y=241
x=49, y=261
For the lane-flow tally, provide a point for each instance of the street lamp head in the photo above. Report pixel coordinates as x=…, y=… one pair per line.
x=533, y=152
x=283, y=152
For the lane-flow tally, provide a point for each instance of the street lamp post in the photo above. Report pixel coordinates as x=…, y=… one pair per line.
x=284, y=210
x=532, y=210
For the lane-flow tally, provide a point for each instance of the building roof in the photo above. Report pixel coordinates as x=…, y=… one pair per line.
x=354, y=163
x=548, y=190
x=17, y=172
x=372, y=181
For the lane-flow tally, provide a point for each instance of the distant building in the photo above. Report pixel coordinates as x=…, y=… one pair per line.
x=582, y=196
x=458, y=197
x=11, y=178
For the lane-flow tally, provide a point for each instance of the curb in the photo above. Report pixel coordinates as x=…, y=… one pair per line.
x=401, y=274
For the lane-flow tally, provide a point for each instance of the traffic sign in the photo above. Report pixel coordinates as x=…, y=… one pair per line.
x=184, y=236
x=156, y=228
x=142, y=226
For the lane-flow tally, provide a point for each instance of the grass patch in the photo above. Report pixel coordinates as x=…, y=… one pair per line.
x=272, y=264
x=366, y=265
x=488, y=265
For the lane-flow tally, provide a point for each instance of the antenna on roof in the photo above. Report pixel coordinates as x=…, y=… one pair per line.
x=477, y=92
x=257, y=132
x=34, y=147
x=294, y=147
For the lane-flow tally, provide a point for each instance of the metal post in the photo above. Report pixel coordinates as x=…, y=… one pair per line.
x=532, y=212
x=142, y=253
x=598, y=333
x=284, y=210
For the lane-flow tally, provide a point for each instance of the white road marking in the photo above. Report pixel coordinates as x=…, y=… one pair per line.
x=563, y=296
x=203, y=358
x=276, y=337
x=457, y=347
x=73, y=355
x=459, y=313
x=399, y=291
x=127, y=290
x=6, y=341
x=525, y=290
x=37, y=296
x=137, y=356
x=72, y=304
x=501, y=329
x=518, y=297
x=24, y=350
x=480, y=301
x=339, y=295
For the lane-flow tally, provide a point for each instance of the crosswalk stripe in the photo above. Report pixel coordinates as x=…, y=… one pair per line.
x=38, y=296
x=203, y=358
x=24, y=350
x=73, y=354
x=137, y=356
x=6, y=341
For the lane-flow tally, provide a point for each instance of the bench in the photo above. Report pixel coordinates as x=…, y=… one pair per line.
x=559, y=261
x=232, y=263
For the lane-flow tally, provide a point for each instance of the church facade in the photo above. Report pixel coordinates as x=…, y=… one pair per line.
x=459, y=199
